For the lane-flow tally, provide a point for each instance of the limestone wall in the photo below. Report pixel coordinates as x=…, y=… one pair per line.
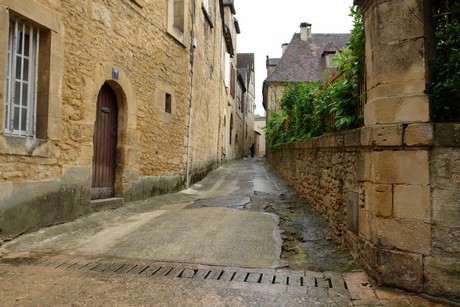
x=402, y=168
x=323, y=170
x=48, y=179
x=408, y=223
x=442, y=269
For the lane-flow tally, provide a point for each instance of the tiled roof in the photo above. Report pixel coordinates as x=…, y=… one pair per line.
x=273, y=61
x=302, y=61
x=245, y=60
x=245, y=64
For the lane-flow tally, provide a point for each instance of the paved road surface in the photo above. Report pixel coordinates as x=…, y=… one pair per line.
x=221, y=242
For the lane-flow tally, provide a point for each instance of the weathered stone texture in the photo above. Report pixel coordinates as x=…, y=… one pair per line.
x=395, y=80
x=408, y=199
x=404, y=167
x=402, y=234
x=379, y=199
x=418, y=135
x=401, y=270
x=445, y=198
x=412, y=202
x=322, y=175
x=442, y=277
x=88, y=39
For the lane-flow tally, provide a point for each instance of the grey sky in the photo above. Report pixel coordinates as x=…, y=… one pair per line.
x=266, y=24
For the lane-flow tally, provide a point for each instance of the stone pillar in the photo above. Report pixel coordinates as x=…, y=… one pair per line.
x=395, y=222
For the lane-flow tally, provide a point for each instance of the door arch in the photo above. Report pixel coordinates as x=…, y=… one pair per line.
x=105, y=144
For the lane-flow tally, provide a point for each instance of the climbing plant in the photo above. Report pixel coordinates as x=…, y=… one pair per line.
x=444, y=89
x=310, y=109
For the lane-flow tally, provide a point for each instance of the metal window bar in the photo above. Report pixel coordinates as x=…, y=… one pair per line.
x=21, y=79
x=8, y=79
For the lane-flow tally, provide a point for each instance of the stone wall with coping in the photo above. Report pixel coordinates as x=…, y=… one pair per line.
x=323, y=170
x=403, y=168
x=408, y=222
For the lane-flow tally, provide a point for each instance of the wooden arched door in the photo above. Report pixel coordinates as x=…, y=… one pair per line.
x=105, y=144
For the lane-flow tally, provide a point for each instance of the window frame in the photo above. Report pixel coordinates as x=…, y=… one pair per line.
x=48, y=128
x=27, y=80
x=177, y=29
x=330, y=60
x=168, y=103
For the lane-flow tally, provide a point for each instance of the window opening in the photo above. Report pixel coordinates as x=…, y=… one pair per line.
x=22, y=69
x=179, y=14
x=168, y=103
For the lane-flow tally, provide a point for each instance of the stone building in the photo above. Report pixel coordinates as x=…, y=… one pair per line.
x=391, y=188
x=259, y=123
x=305, y=58
x=247, y=72
x=107, y=102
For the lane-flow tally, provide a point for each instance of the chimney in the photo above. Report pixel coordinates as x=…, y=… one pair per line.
x=305, y=31
x=284, y=48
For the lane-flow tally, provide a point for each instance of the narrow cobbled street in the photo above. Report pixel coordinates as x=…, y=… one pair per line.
x=239, y=237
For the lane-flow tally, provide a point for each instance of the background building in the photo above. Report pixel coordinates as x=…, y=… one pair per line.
x=247, y=72
x=306, y=58
x=259, y=124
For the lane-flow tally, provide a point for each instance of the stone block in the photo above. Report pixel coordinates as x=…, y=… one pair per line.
x=387, y=135
x=365, y=135
x=363, y=225
x=445, y=166
x=446, y=205
x=447, y=135
x=401, y=22
x=389, y=110
x=379, y=199
x=418, y=135
x=445, y=237
x=397, y=88
x=442, y=277
x=399, y=269
x=364, y=166
x=403, y=234
x=412, y=202
x=404, y=67
x=400, y=167
x=352, y=138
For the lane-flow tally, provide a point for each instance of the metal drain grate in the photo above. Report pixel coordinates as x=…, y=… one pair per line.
x=210, y=273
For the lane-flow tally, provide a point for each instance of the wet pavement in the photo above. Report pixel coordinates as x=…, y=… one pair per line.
x=239, y=237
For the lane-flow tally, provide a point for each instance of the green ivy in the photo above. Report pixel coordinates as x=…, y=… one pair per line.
x=310, y=109
x=444, y=89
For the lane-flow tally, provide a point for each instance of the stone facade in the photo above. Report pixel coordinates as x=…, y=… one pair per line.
x=246, y=69
x=259, y=123
x=165, y=62
x=391, y=188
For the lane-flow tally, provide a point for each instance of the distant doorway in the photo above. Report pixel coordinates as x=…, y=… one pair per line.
x=105, y=144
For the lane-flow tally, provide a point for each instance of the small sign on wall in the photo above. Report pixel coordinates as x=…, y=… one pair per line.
x=115, y=73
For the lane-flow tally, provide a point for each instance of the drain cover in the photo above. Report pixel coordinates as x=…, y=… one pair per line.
x=173, y=271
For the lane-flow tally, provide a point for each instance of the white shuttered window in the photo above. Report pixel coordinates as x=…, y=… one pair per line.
x=21, y=92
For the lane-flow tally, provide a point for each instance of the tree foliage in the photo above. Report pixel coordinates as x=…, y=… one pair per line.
x=310, y=109
x=444, y=89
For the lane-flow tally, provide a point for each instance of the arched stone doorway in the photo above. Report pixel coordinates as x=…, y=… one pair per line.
x=105, y=144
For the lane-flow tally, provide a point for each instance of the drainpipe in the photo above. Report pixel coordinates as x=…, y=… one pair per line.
x=192, y=57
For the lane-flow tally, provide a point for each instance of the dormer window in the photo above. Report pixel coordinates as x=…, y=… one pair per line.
x=329, y=57
x=329, y=54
